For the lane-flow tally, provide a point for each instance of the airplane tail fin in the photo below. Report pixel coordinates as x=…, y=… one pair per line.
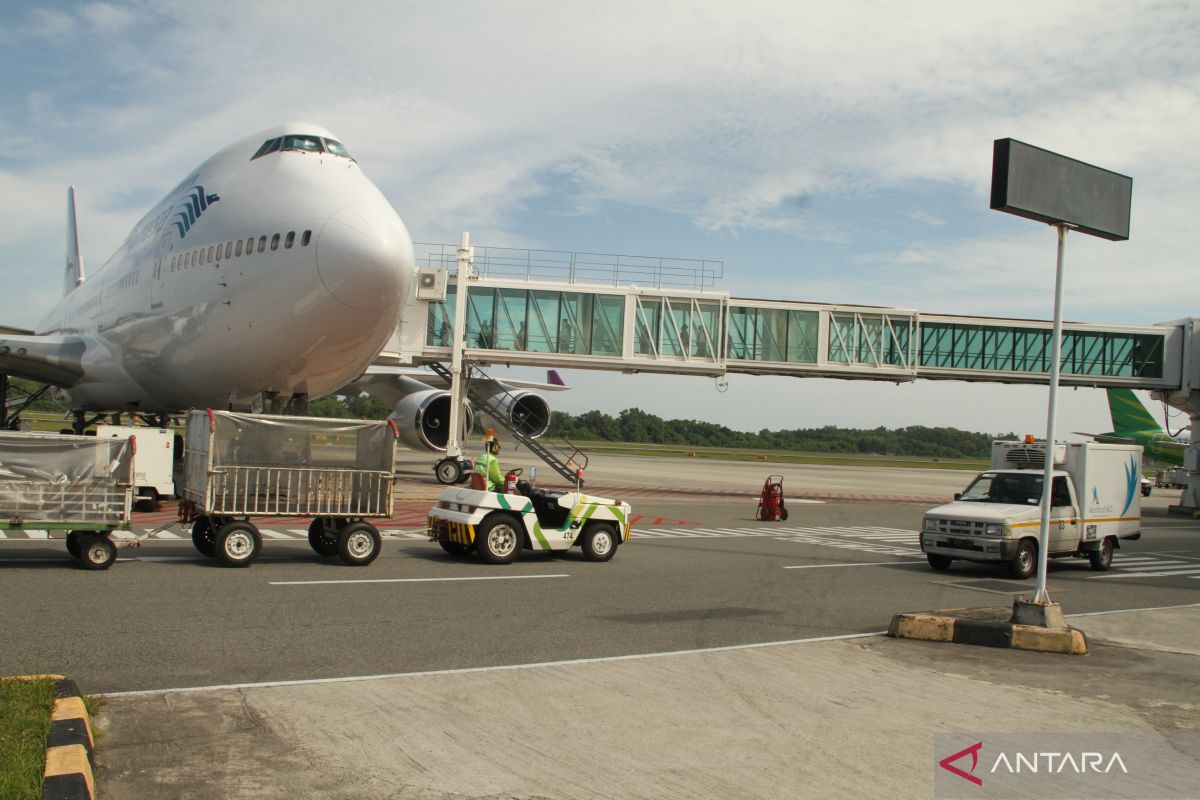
x=1128, y=413
x=74, y=272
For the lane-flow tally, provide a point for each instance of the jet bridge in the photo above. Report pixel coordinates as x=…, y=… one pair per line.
x=539, y=312
x=632, y=314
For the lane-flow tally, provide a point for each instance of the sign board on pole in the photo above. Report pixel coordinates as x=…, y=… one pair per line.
x=1038, y=184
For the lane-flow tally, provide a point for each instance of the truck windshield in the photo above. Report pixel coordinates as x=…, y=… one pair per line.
x=993, y=487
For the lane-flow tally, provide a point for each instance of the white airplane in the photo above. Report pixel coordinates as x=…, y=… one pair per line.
x=275, y=271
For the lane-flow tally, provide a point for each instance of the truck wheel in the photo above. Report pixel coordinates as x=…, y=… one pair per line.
x=203, y=537
x=325, y=542
x=599, y=542
x=1101, y=559
x=448, y=471
x=238, y=543
x=938, y=562
x=456, y=548
x=359, y=544
x=1024, y=563
x=97, y=551
x=498, y=538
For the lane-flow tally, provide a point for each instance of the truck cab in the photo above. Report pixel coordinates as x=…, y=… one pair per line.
x=1094, y=503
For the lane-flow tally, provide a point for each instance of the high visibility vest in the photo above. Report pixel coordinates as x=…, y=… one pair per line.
x=483, y=465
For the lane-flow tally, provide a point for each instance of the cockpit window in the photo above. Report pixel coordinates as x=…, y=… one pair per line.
x=269, y=146
x=337, y=148
x=311, y=144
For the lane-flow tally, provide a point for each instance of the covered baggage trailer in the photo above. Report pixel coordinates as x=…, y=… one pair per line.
x=237, y=466
x=81, y=486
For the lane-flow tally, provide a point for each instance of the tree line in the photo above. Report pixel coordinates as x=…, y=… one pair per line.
x=636, y=426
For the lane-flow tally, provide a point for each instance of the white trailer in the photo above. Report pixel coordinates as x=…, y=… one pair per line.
x=1095, y=502
x=154, y=476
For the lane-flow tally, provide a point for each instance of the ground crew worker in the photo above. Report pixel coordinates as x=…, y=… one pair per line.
x=488, y=465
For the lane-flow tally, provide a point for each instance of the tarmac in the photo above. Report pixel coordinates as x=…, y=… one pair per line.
x=841, y=717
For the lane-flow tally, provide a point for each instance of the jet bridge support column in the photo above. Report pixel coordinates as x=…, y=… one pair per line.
x=1188, y=399
x=448, y=469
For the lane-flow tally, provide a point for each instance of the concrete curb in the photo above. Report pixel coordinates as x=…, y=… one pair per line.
x=70, y=747
x=965, y=626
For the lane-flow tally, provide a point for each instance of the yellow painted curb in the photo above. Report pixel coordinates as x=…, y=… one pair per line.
x=1049, y=640
x=928, y=627
x=70, y=759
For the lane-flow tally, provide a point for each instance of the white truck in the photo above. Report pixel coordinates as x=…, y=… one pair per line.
x=1095, y=502
x=154, y=467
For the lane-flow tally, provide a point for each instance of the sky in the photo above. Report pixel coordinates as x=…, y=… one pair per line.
x=822, y=152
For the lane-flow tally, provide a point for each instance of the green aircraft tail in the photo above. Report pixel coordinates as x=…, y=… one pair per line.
x=1128, y=413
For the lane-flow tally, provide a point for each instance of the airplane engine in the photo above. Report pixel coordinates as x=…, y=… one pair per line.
x=423, y=419
x=525, y=411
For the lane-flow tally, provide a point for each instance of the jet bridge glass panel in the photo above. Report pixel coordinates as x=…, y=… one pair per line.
x=773, y=334
x=871, y=339
x=540, y=321
x=676, y=327
x=1111, y=354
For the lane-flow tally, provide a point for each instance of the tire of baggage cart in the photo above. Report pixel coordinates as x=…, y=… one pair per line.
x=96, y=551
x=358, y=544
x=323, y=535
x=75, y=543
x=499, y=538
x=238, y=543
x=1101, y=558
x=600, y=541
x=204, y=538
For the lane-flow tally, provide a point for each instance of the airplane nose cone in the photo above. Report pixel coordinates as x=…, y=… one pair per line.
x=363, y=253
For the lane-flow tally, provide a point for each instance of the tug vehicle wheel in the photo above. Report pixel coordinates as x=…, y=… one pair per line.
x=599, y=542
x=499, y=538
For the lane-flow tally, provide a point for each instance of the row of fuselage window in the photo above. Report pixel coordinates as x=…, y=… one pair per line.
x=215, y=252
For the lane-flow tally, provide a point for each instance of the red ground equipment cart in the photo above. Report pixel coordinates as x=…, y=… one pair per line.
x=770, y=503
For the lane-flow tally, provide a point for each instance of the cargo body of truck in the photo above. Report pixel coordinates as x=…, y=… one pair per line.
x=1095, y=501
x=154, y=476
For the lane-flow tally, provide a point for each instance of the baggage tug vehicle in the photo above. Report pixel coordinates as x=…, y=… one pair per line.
x=499, y=525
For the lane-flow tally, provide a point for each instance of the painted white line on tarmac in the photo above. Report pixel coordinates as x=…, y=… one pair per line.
x=417, y=580
x=1130, y=610
x=504, y=668
x=857, y=564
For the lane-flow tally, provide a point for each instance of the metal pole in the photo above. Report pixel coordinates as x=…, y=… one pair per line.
x=455, y=436
x=1042, y=597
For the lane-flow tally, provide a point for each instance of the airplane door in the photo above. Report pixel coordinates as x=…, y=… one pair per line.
x=159, y=279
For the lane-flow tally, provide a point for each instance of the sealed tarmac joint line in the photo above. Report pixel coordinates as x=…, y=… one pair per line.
x=988, y=627
x=70, y=747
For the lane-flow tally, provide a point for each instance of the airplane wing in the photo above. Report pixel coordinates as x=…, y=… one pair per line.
x=554, y=383
x=48, y=359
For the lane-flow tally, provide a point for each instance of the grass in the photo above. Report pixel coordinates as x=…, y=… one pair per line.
x=24, y=725
x=785, y=456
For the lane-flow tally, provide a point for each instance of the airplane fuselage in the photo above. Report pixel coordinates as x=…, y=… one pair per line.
x=284, y=272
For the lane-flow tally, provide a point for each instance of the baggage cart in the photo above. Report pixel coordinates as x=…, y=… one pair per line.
x=81, y=486
x=238, y=466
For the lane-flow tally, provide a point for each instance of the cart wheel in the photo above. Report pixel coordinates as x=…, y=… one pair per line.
x=599, y=541
x=74, y=543
x=359, y=544
x=238, y=543
x=203, y=537
x=323, y=535
x=97, y=551
x=498, y=538
x=783, y=514
x=448, y=471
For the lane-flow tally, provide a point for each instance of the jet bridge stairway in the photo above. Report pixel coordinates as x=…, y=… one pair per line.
x=561, y=456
